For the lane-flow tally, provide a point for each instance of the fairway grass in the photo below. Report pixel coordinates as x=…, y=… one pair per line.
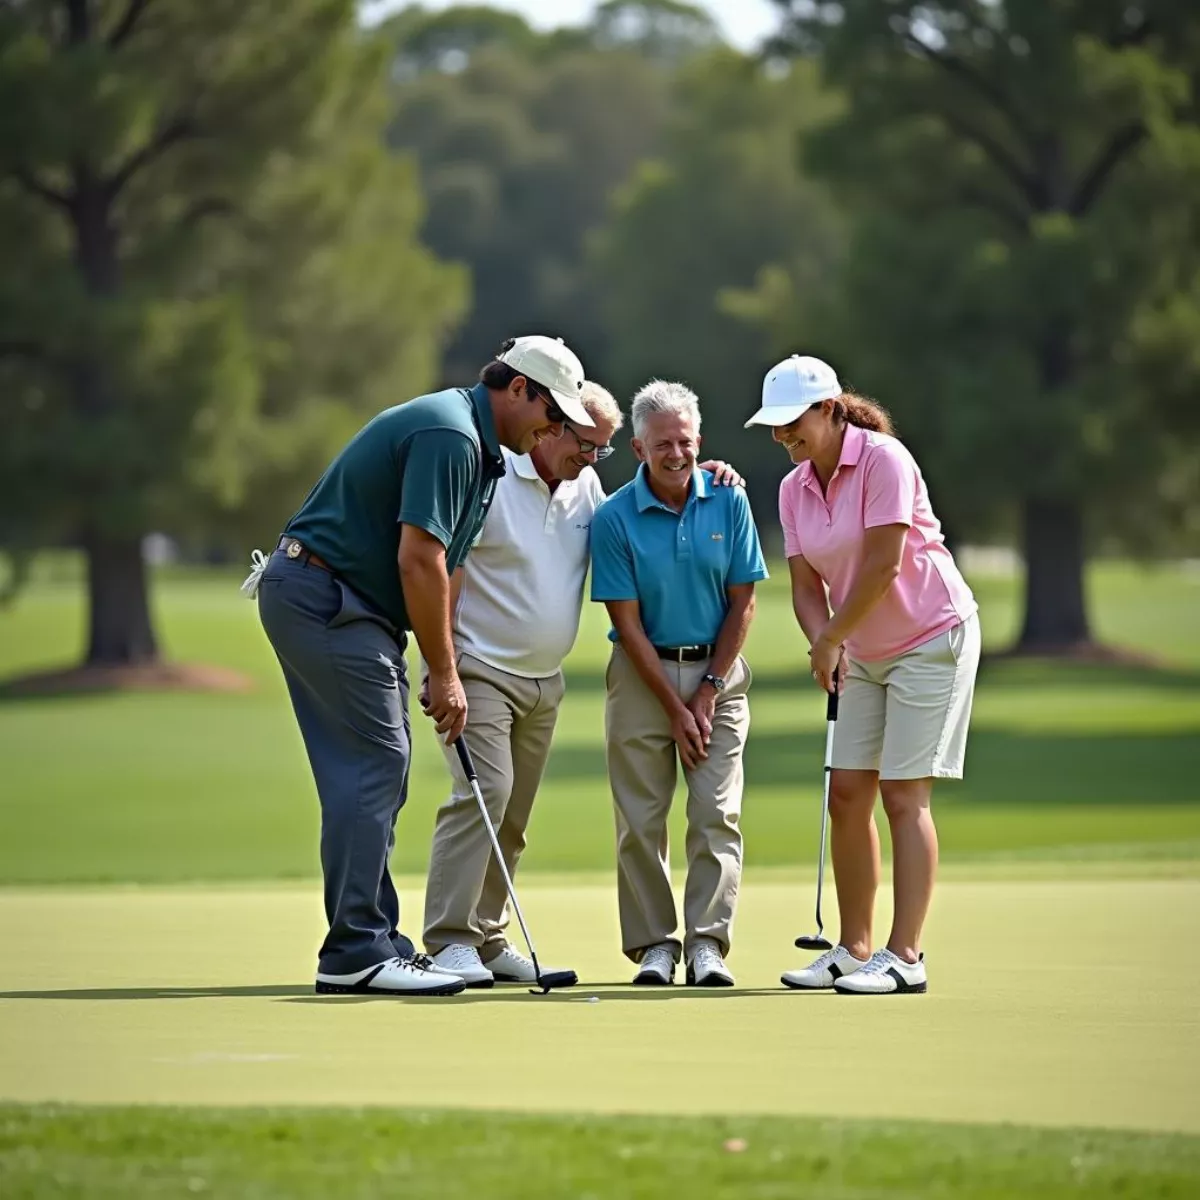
x=131, y=1154
x=1065, y=760
x=183, y=997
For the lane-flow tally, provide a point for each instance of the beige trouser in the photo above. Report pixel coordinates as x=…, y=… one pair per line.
x=510, y=723
x=642, y=759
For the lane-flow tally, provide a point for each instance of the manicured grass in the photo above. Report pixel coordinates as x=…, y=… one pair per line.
x=133, y=1153
x=192, y=995
x=1066, y=761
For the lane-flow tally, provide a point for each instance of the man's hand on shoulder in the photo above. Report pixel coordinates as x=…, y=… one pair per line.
x=723, y=474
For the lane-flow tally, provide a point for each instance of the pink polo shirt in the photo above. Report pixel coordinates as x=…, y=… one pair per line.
x=877, y=482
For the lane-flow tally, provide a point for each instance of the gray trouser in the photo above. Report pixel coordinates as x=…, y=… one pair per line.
x=344, y=667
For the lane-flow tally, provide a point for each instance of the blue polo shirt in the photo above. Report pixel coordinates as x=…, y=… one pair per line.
x=676, y=565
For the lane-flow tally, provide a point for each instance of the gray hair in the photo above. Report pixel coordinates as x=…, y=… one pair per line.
x=600, y=403
x=659, y=396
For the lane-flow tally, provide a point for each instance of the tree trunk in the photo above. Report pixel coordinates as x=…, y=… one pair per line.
x=119, y=631
x=1055, y=609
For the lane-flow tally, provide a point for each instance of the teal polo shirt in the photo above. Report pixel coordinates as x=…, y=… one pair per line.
x=676, y=565
x=432, y=462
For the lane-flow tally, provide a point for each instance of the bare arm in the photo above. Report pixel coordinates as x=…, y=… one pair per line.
x=422, y=564
x=809, y=602
x=730, y=640
x=626, y=616
x=883, y=549
x=734, y=628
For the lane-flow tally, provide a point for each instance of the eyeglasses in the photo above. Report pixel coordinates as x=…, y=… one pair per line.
x=601, y=452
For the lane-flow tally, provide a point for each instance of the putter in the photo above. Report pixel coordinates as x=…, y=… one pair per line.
x=819, y=941
x=545, y=981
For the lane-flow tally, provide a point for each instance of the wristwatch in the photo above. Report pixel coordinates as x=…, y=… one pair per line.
x=715, y=682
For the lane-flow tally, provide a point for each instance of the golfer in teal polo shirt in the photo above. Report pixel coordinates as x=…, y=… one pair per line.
x=676, y=560
x=367, y=558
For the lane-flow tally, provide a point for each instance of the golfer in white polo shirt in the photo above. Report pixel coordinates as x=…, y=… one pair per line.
x=517, y=602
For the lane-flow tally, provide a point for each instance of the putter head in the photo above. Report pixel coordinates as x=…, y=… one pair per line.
x=813, y=942
x=547, y=980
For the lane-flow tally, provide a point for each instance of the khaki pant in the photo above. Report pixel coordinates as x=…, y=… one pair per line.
x=510, y=723
x=642, y=759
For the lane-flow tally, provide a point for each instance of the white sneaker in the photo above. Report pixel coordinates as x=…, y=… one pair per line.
x=511, y=966
x=464, y=962
x=884, y=974
x=822, y=973
x=707, y=968
x=657, y=967
x=414, y=976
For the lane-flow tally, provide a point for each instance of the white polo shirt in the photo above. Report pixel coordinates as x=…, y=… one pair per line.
x=523, y=581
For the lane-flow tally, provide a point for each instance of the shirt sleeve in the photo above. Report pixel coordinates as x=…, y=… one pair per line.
x=889, y=486
x=612, y=558
x=787, y=517
x=746, y=563
x=439, y=472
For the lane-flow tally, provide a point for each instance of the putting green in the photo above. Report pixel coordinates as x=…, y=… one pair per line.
x=1041, y=1012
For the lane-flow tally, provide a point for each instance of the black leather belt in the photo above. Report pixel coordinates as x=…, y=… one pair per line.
x=685, y=653
x=299, y=553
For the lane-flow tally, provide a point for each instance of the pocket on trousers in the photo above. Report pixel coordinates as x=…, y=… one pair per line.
x=352, y=607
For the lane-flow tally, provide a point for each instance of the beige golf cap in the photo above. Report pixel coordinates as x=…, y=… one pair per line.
x=548, y=361
x=794, y=386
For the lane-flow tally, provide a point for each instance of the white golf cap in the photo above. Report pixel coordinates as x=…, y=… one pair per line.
x=793, y=386
x=548, y=361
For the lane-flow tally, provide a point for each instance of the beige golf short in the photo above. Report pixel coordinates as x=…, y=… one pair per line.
x=907, y=717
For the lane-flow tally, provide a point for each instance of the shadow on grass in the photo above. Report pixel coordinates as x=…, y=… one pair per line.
x=575, y=995
x=1003, y=767
x=303, y=994
x=271, y=990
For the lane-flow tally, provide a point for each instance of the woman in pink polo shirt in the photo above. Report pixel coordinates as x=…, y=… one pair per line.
x=903, y=640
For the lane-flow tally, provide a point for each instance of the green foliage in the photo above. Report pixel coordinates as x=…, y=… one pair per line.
x=211, y=267
x=694, y=230
x=1025, y=268
x=520, y=153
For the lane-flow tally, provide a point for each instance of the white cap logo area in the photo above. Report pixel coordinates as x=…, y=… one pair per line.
x=794, y=386
x=548, y=361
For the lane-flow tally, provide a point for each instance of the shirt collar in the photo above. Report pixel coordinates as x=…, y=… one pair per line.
x=852, y=447
x=486, y=424
x=522, y=465
x=701, y=490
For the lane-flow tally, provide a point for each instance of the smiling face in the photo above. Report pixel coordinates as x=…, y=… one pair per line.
x=529, y=416
x=564, y=458
x=668, y=446
x=811, y=435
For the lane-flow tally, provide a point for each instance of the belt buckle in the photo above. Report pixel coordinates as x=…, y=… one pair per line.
x=294, y=549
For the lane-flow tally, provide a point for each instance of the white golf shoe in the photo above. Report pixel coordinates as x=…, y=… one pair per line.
x=511, y=966
x=824, y=971
x=885, y=974
x=464, y=962
x=707, y=968
x=414, y=976
x=657, y=968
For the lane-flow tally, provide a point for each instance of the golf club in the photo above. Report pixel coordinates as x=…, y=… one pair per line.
x=544, y=981
x=819, y=941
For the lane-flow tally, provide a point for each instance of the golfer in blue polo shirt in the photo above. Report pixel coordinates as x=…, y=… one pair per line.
x=676, y=560
x=367, y=558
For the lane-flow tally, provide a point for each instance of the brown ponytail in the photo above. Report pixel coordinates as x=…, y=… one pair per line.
x=864, y=413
